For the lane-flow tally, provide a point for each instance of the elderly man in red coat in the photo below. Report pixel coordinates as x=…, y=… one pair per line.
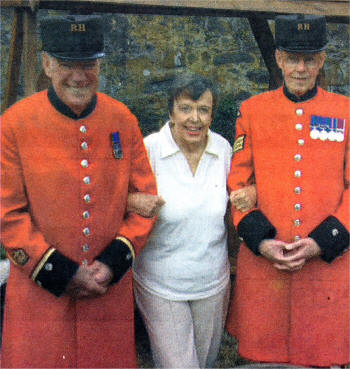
x=291, y=299
x=69, y=157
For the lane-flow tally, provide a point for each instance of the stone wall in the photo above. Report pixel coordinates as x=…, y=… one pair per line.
x=145, y=52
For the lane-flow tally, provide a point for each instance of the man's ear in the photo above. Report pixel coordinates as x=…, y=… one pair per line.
x=278, y=57
x=322, y=58
x=47, y=64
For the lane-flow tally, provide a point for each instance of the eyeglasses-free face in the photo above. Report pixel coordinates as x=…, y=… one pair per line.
x=191, y=119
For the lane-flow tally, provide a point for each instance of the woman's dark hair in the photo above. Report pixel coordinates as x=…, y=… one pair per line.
x=190, y=85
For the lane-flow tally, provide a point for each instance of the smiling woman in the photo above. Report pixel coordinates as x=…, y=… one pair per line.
x=182, y=275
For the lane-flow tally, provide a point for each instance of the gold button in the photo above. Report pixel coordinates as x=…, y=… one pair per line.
x=297, y=207
x=298, y=126
x=86, y=248
x=86, y=215
x=84, y=163
x=86, y=231
x=297, y=173
x=84, y=262
x=297, y=157
x=297, y=238
x=299, y=112
x=82, y=129
x=86, y=180
x=301, y=142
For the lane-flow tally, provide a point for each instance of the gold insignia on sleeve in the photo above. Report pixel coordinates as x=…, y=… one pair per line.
x=18, y=256
x=239, y=144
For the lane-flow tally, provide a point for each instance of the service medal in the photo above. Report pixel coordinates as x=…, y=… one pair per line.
x=315, y=134
x=116, y=146
x=332, y=136
x=323, y=135
x=339, y=136
x=340, y=127
x=315, y=127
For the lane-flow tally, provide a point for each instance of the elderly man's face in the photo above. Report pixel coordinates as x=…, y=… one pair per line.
x=75, y=82
x=300, y=71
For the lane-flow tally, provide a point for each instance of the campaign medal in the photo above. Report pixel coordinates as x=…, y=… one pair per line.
x=324, y=133
x=332, y=134
x=340, y=129
x=116, y=146
x=314, y=133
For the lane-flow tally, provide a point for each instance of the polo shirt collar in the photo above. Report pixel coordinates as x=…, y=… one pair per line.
x=169, y=146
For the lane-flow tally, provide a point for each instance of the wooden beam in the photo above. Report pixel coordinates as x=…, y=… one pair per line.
x=14, y=62
x=29, y=52
x=330, y=8
x=266, y=43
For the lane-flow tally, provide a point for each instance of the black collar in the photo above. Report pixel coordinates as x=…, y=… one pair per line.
x=309, y=95
x=66, y=110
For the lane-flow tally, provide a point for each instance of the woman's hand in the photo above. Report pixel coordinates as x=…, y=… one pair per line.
x=144, y=204
x=244, y=199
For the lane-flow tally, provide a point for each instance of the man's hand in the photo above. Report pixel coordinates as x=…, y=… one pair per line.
x=299, y=252
x=244, y=199
x=273, y=250
x=289, y=257
x=90, y=281
x=144, y=204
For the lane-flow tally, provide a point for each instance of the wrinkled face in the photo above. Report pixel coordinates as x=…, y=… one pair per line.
x=75, y=82
x=191, y=119
x=300, y=71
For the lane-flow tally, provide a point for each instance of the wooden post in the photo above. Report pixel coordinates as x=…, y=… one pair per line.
x=29, y=52
x=14, y=62
x=266, y=43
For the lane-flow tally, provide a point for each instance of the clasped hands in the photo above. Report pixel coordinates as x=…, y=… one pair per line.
x=289, y=256
x=90, y=281
x=284, y=256
x=93, y=280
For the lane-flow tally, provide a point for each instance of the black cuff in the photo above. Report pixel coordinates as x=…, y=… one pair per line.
x=332, y=237
x=254, y=228
x=55, y=274
x=118, y=257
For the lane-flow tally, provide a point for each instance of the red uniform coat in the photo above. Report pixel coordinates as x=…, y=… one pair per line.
x=302, y=190
x=49, y=164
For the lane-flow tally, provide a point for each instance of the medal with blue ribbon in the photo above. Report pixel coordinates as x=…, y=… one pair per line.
x=325, y=125
x=116, y=145
x=326, y=128
x=314, y=133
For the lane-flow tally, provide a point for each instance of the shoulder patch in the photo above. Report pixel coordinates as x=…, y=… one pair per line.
x=239, y=144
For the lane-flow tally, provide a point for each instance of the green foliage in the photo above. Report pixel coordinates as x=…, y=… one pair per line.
x=225, y=118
